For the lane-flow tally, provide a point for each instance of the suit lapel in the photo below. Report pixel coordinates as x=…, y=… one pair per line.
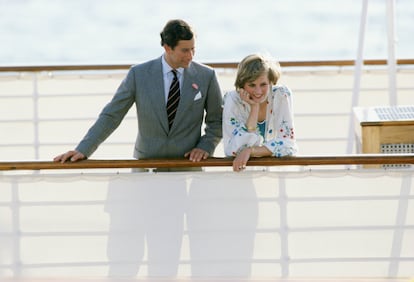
x=157, y=95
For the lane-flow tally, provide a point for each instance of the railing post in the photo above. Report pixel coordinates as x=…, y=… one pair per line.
x=391, y=62
x=35, y=94
x=284, y=229
x=16, y=232
x=357, y=76
x=401, y=217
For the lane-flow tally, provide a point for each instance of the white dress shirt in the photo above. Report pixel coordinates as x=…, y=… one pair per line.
x=168, y=76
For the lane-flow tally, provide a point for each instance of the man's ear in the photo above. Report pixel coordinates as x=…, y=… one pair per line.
x=167, y=48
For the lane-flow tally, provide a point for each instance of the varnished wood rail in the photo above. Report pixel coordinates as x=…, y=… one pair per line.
x=356, y=159
x=79, y=67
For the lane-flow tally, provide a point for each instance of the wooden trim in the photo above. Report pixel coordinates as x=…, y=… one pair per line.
x=230, y=65
x=357, y=159
x=388, y=123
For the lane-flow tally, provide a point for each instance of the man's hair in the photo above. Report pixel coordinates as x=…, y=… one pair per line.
x=174, y=31
x=255, y=65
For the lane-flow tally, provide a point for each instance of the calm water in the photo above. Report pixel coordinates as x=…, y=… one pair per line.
x=127, y=31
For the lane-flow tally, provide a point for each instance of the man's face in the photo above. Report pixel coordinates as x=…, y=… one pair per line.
x=181, y=55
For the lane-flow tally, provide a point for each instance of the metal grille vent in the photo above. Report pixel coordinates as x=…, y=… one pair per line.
x=395, y=113
x=401, y=148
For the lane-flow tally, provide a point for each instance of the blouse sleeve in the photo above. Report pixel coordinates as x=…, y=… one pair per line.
x=235, y=134
x=281, y=139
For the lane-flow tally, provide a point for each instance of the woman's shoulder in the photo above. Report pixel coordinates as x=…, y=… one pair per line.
x=231, y=95
x=281, y=90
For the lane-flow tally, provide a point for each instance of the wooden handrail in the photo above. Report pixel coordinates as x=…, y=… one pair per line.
x=356, y=159
x=338, y=63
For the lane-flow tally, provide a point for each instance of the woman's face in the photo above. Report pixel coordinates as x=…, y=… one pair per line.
x=258, y=89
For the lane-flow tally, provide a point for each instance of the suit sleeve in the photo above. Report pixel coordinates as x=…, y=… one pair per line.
x=213, y=120
x=110, y=117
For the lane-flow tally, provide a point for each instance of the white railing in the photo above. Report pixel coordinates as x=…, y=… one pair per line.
x=47, y=110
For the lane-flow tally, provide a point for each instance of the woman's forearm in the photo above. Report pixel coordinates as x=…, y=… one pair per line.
x=251, y=123
x=259, y=151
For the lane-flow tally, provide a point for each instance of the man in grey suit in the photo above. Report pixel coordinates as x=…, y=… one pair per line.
x=147, y=85
x=140, y=214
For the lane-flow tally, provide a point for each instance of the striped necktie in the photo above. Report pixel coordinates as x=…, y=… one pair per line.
x=173, y=99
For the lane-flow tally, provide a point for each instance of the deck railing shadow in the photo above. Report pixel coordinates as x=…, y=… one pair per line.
x=305, y=216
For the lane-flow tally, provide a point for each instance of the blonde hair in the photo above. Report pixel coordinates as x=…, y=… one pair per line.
x=255, y=65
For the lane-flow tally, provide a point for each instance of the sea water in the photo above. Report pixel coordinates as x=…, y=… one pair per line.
x=127, y=31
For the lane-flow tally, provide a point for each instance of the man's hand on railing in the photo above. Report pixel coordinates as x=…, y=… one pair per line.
x=72, y=156
x=196, y=155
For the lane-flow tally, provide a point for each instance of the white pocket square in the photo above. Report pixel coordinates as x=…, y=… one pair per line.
x=197, y=96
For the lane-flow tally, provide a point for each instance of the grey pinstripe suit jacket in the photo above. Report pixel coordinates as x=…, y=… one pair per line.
x=201, y=99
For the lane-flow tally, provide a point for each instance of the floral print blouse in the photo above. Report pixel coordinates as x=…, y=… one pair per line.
x=279, y=135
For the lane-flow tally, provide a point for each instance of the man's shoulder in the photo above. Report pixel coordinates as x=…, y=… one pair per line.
x=201, y=69
x=199, y=65
x=146, y=65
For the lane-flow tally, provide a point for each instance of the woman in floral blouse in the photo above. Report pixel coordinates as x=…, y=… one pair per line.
x=258, y=115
